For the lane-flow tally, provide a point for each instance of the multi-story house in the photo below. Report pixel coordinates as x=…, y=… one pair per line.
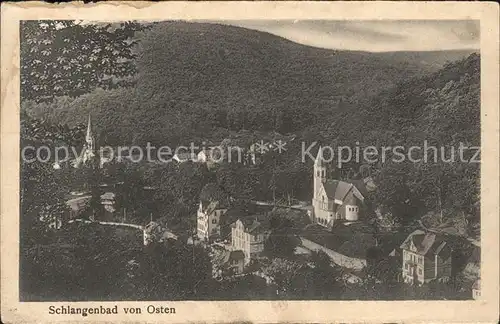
x=426, y=256
x=248, y=235
x=214, y=203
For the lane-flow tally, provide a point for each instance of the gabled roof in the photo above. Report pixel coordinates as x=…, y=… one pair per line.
x=362, y=186
x=254, y=224
x=108, y=195
x=209, y=206
x=185, y=156
x=337, y=189
x=427, y=244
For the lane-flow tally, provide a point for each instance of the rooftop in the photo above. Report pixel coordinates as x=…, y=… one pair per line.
x=254, y=224
x=337, y=189
x=427, y=243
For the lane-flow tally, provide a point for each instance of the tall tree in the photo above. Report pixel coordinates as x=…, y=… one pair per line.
x=67, y=57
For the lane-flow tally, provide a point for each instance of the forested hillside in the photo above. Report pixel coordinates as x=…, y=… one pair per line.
x=194, y=79
x=442, y=109
x=173, y=83
x=206, y=82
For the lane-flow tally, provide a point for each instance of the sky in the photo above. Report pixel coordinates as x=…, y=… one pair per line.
x=373, y=36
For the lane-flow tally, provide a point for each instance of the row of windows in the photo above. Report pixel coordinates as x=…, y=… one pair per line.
x=415, y=258
x=218, y=212
x=322, y=221
x=353, y=209
x=323, y=173
x=407, y=267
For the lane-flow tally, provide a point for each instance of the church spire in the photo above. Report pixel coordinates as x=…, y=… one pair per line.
x=89, y=131
x=89, y=138
x=319, y=157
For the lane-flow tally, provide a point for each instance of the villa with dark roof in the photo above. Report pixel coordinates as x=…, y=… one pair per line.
x=426, y=257
x=214, y=203
x=248, y=234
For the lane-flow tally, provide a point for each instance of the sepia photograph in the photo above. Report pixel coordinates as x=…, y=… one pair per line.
x=248, y=160
x=217, y=160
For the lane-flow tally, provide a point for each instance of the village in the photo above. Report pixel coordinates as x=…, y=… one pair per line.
x=245, y=236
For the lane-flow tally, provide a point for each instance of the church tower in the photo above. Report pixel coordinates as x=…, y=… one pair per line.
x=320, y=174
x=89, y=138
x=90, y=143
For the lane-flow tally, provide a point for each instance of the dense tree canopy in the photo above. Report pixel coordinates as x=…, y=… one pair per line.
x=66, y=57
x=200, y=82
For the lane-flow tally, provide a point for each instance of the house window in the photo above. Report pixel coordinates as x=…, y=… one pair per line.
x=407, y=266
x=317, y=173
x=420, y=260
x=419, y=271
x=214, y=221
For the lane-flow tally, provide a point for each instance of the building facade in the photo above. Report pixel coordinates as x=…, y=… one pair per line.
x=214, y=203
x=426, y=257
x=334, y=200
x=249, y=235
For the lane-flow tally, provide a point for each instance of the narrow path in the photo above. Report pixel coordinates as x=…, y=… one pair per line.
x=139, y=227
x=270, y=204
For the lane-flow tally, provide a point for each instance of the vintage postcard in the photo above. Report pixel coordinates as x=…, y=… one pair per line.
x=263, y=162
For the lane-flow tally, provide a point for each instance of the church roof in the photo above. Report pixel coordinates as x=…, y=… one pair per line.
x=362, y=186
x=336, y=189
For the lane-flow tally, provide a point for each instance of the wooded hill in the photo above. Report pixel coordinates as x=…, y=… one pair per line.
x=205, y=82
x=196, y=79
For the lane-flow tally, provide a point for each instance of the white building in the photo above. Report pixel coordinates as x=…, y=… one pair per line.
x=334, y=199
x=248, y=235
x=426, y=256
x=214, y=203
x=185, y=157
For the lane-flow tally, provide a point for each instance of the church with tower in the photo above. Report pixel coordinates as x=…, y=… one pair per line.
x=335, y=200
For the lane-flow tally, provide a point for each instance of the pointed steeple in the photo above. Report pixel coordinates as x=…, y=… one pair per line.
x=89, y=131
x=319, y=157
x=89, y=138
